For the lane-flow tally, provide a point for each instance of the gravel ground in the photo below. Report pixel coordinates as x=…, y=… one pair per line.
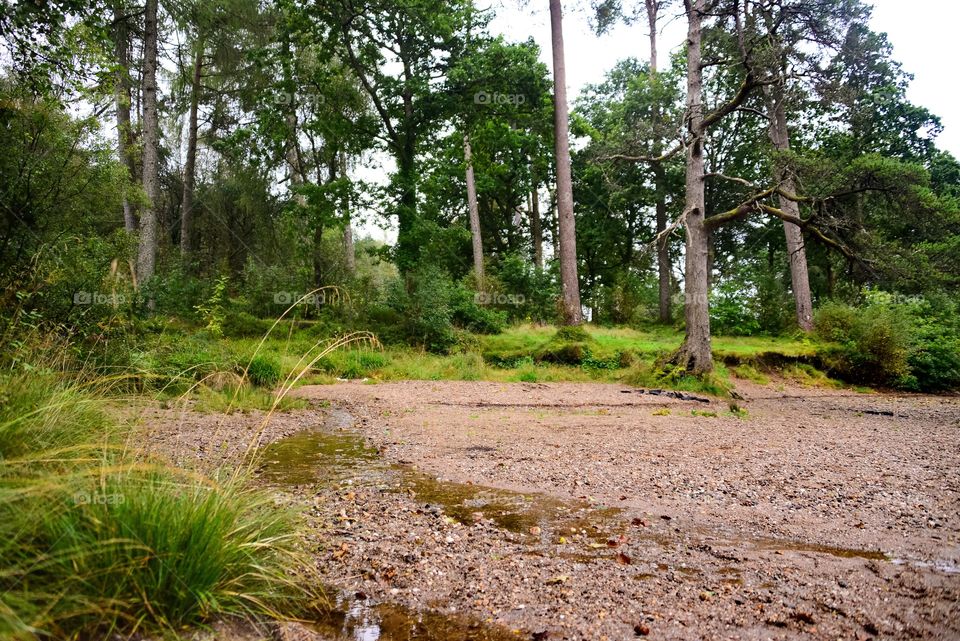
x=591, y=511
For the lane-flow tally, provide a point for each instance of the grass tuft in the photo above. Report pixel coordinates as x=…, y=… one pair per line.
x=97, y=539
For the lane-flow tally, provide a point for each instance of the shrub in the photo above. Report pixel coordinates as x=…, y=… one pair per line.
x=353, y=364
x=868, y=346
x=97, y=539
x=177, y=364
x=425, y=308
x=264, y=371
x=239, y=324
x=571, y=345
x=934, y=361
x=476, y=318
x=732, y=311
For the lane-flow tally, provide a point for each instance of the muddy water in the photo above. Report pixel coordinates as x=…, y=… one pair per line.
x=334, y=454
x=357, y=620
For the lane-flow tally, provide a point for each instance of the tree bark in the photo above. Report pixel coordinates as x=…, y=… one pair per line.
x=318, y=262
x=189, y=168
x=566, y=224
x=796, y=251
x=349, y=253
x=664, y=268
x=695, y=355
x=474, y=213
x=147, y=251
x=122, y=95
x=536, y=228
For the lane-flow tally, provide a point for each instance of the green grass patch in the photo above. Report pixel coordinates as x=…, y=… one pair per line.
x=97, y=539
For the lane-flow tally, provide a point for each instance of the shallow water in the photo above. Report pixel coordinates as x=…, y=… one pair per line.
x=357, y=619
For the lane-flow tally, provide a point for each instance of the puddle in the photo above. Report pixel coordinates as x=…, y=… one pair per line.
x=331, y=454
x=797, y=546
x=313, y=456
x=356, y=619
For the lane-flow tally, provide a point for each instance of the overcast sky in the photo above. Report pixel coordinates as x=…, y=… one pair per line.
x=923, y=34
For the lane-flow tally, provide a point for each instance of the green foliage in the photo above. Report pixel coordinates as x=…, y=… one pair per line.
x=178, y=292
x=353, y=364
x=97, y=539
x=476, y=318
x=177, y=362
x=425, y=305
x=428, y=307
x=570, y=345
x=213, y=310
x=868, y=345
x=264, y=371
x=239, y=324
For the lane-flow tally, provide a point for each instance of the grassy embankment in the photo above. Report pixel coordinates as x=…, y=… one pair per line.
x=524, y=353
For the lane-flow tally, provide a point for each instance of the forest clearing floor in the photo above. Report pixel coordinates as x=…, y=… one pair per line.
x=479, y=510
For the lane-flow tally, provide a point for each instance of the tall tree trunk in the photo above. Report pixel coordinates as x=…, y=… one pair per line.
x=796, y=251
x=695, y=355
x=189, y=168
x=536, y=229
x=349, y=253
x=122, y=95
x=566, y=224
x=664, y=268
x=318, y=262
x=149, y=236
x=474, y=213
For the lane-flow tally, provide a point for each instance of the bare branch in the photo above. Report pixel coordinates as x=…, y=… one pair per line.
x=652, y=159
x=735, y=179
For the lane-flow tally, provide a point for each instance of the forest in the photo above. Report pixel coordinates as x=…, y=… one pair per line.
x=261, y=259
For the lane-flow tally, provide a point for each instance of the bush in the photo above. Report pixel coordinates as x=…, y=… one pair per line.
x=239, y=324
x=467, y=314
x=425, y=306
x=732, y=311
x=571, y=345
x=175, y=364
x=97, y=539
x=867, y=346
x=264, y=371
x=353, y=364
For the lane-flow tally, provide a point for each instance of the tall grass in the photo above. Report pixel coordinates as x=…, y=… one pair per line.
x=97, y=538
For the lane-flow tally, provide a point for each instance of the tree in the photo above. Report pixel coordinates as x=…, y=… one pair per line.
x=656, y=134
x=415, y=38
x=121, y=38
x=475, y=236
x=569, y=282
x=189, y=167
x=149, y=232
x=695, y=355
x=664, y=268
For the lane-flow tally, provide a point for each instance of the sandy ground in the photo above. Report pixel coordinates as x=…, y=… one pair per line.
x=590, y=511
